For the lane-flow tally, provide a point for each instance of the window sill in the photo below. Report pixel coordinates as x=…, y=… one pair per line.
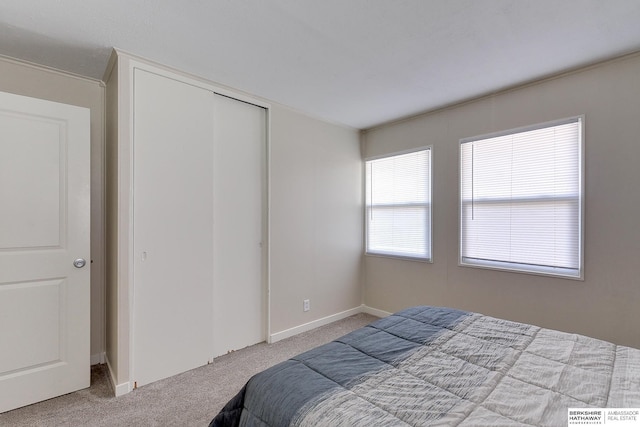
x=536, y=271
x=400, y=257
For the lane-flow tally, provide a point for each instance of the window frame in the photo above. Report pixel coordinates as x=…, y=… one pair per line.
x=429, y=259
x=507, y=266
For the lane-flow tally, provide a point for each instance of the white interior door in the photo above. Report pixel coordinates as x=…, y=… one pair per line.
x=44, y=227
x=172, y=227
x=239, y=200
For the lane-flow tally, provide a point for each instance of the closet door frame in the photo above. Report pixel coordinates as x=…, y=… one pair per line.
x=124, y=65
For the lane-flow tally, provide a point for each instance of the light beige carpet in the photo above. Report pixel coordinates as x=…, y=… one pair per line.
x=189, y=399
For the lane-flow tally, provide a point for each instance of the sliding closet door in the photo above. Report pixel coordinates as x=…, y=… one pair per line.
x=173, y=231
x=239, y=206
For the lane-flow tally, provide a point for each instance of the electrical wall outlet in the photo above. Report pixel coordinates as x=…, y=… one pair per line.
x=306, y=306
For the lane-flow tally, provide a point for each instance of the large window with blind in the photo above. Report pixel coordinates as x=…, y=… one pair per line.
x=521, y=199
x=398, y=205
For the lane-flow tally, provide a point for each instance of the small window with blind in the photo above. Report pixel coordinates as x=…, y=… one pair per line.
x=398, y=205
x=521, y=199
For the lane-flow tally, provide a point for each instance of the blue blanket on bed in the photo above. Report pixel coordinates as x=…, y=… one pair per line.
x=340, y=364
x=438, y=366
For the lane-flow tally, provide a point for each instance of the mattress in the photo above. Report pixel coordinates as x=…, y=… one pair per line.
x=437, y=366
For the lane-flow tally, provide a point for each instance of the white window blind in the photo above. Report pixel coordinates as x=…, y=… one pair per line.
x=521, y=199
x=398, y=205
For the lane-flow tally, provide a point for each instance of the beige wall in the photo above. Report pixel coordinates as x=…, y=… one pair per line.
x=606, y=304
x=315, y=218
x=112, y=315
x=39, y=82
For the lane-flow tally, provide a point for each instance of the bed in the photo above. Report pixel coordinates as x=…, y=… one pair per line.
x=440, y=366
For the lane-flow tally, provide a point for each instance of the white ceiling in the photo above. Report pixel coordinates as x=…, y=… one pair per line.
x=356, y=62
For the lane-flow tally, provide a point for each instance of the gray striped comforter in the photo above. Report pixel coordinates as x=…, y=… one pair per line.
x=434, y=366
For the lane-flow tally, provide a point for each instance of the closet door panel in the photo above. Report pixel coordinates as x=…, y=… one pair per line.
x=172, y=227
x=239, y=178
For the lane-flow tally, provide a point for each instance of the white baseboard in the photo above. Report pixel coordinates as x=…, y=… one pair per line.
x=124, y=388
x=98, y=358
x=326, y=320
x=312, y=325
x=374, y=311
x=118, y=389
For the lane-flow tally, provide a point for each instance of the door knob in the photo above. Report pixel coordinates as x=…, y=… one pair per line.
x=79, y=263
